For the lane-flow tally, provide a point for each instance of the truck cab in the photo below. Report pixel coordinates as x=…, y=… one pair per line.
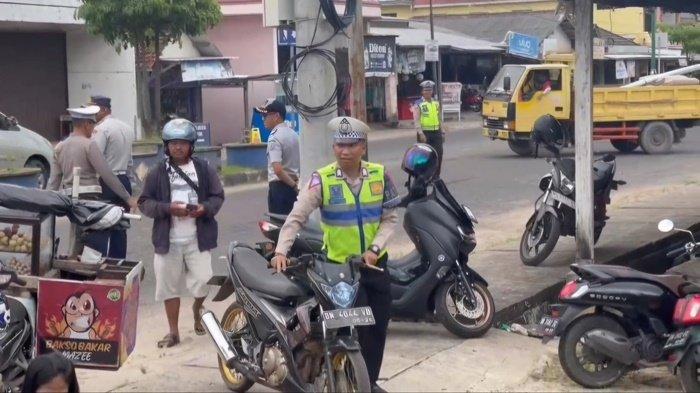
x=519, y=95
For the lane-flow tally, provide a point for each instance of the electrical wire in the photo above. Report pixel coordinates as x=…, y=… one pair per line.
x=340, y=93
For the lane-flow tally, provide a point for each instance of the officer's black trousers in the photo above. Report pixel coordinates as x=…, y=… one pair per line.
x=375, y=291
x=436, y=140
x=114, y=241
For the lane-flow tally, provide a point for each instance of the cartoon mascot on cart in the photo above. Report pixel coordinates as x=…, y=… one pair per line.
x=80, y=313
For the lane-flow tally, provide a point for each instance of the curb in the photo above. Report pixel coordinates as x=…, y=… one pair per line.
x=244, y=178
x=633, y=258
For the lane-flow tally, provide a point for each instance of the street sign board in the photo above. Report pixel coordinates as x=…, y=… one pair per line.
x=432, y=50
x=203, y=134
x=380, y=55
x=524, y=46
x=286, y=36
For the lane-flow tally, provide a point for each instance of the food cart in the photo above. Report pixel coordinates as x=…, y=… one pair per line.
x=87, y=312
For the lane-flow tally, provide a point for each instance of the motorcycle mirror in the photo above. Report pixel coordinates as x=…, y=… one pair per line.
x=666, y=226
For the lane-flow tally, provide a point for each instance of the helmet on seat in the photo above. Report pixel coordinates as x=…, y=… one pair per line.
x=421, y=162
x=548, y=131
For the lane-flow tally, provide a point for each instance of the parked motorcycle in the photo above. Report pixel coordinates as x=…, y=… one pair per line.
x=474, y=100
x=616, y=319
x=17, y=322
x=683, y=346
x=434, y=278
x=293, y=331
x=555, y=209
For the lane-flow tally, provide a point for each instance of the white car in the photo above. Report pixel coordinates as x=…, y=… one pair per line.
x=21, y=147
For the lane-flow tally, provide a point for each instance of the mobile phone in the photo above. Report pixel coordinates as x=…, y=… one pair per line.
x=191, y=207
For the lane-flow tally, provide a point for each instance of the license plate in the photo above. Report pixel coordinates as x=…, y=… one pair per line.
x=493, y=133
x=677, y=340
x=548, y=325
x=359, y=316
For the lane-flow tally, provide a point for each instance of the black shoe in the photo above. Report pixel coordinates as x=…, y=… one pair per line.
x=377, y=389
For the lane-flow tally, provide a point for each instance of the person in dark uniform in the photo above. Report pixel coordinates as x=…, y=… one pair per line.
x=336, y=189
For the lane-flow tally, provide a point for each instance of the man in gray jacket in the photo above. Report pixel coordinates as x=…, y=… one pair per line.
x=182, y=194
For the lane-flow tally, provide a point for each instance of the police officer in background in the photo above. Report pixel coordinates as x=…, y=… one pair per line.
x=115, y=140
x=428, y=112
x=336, y=189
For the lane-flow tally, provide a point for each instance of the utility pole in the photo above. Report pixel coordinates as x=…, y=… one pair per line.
x=583, y=100
x=357, y=65
x=654, y=67
x=437, y=72
x=316, y=81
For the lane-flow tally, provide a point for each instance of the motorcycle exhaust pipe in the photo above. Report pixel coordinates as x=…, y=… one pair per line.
x=223, y=345
x=613, y=345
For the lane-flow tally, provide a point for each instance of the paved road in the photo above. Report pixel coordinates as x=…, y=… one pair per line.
x=483, y=173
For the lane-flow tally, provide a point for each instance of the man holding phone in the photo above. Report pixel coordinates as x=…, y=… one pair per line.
x=182, y=195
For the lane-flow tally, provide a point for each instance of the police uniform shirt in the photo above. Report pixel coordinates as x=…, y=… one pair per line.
x=115, y=140
x=310, y=198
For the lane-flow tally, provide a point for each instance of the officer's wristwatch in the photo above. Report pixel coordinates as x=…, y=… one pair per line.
x=375, y=249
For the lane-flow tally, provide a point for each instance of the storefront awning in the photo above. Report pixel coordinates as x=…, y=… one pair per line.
x=418, y=33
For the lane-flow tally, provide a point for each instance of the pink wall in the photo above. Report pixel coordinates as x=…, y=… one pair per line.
x=254, y=45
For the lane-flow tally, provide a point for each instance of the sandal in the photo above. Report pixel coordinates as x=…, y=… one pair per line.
x=169, y=340
x=198, y=327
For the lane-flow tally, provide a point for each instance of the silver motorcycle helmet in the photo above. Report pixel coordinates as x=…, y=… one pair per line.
x=179, y=129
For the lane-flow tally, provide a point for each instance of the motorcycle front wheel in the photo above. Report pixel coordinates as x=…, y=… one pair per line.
x=539, y=239
x=458, y=316
x=234, y=321
x=350, y=372
x=688, y=371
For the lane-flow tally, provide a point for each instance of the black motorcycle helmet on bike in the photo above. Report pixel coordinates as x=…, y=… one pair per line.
x=548, y=132
x=421, y=162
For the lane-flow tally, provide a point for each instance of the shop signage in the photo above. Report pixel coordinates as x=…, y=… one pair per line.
x=524, y=46
x=598, y=49
x=621, y=69
x=451, y=93
x=380, y=55
x=209, y=69
x=286, y=36
x=203, y=134
x=432, y=50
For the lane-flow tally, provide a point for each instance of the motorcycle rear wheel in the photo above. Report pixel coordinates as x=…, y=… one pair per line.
x=545, y=234
x=456, y=316
x=688, y=372
x=350, y=372
x=606, y=371
x=234, y=320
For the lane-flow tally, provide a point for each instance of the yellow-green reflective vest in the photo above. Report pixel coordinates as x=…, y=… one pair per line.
x=350, y=222
x=429, y=115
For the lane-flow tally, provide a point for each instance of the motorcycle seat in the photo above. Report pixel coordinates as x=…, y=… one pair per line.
x=690, y=289
x=673, y=282
x=252, y=269
x=602, y=174
x=399, y=269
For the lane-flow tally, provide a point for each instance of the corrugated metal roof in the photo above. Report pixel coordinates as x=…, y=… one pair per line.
x=417, y=33
x=494, y=27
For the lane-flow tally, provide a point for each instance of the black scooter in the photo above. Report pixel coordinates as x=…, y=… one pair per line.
x=432, y=279
x=615, y=319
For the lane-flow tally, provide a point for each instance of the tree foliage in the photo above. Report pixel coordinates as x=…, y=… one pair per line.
x=686, y=35
x=148, y=25
x=125, y=23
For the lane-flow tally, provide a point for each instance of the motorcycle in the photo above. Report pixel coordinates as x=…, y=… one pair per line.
x=555, y=209
x=614, y=319
x=17, y=323
x=434, y=279
x=683, y=345
x=474, y=100
x=293, y=331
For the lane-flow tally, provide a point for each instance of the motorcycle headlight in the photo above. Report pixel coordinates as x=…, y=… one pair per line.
x=567, y=186
x=544, y=182
x=341, y=294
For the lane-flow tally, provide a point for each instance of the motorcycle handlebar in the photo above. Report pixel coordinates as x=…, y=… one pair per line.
x=303, y=261
x=131, y=216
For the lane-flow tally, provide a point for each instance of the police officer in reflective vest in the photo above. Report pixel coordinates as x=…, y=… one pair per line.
x=429, y=115
x=348, y=229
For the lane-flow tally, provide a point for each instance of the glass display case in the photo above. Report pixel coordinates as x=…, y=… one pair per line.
x=26, y=241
